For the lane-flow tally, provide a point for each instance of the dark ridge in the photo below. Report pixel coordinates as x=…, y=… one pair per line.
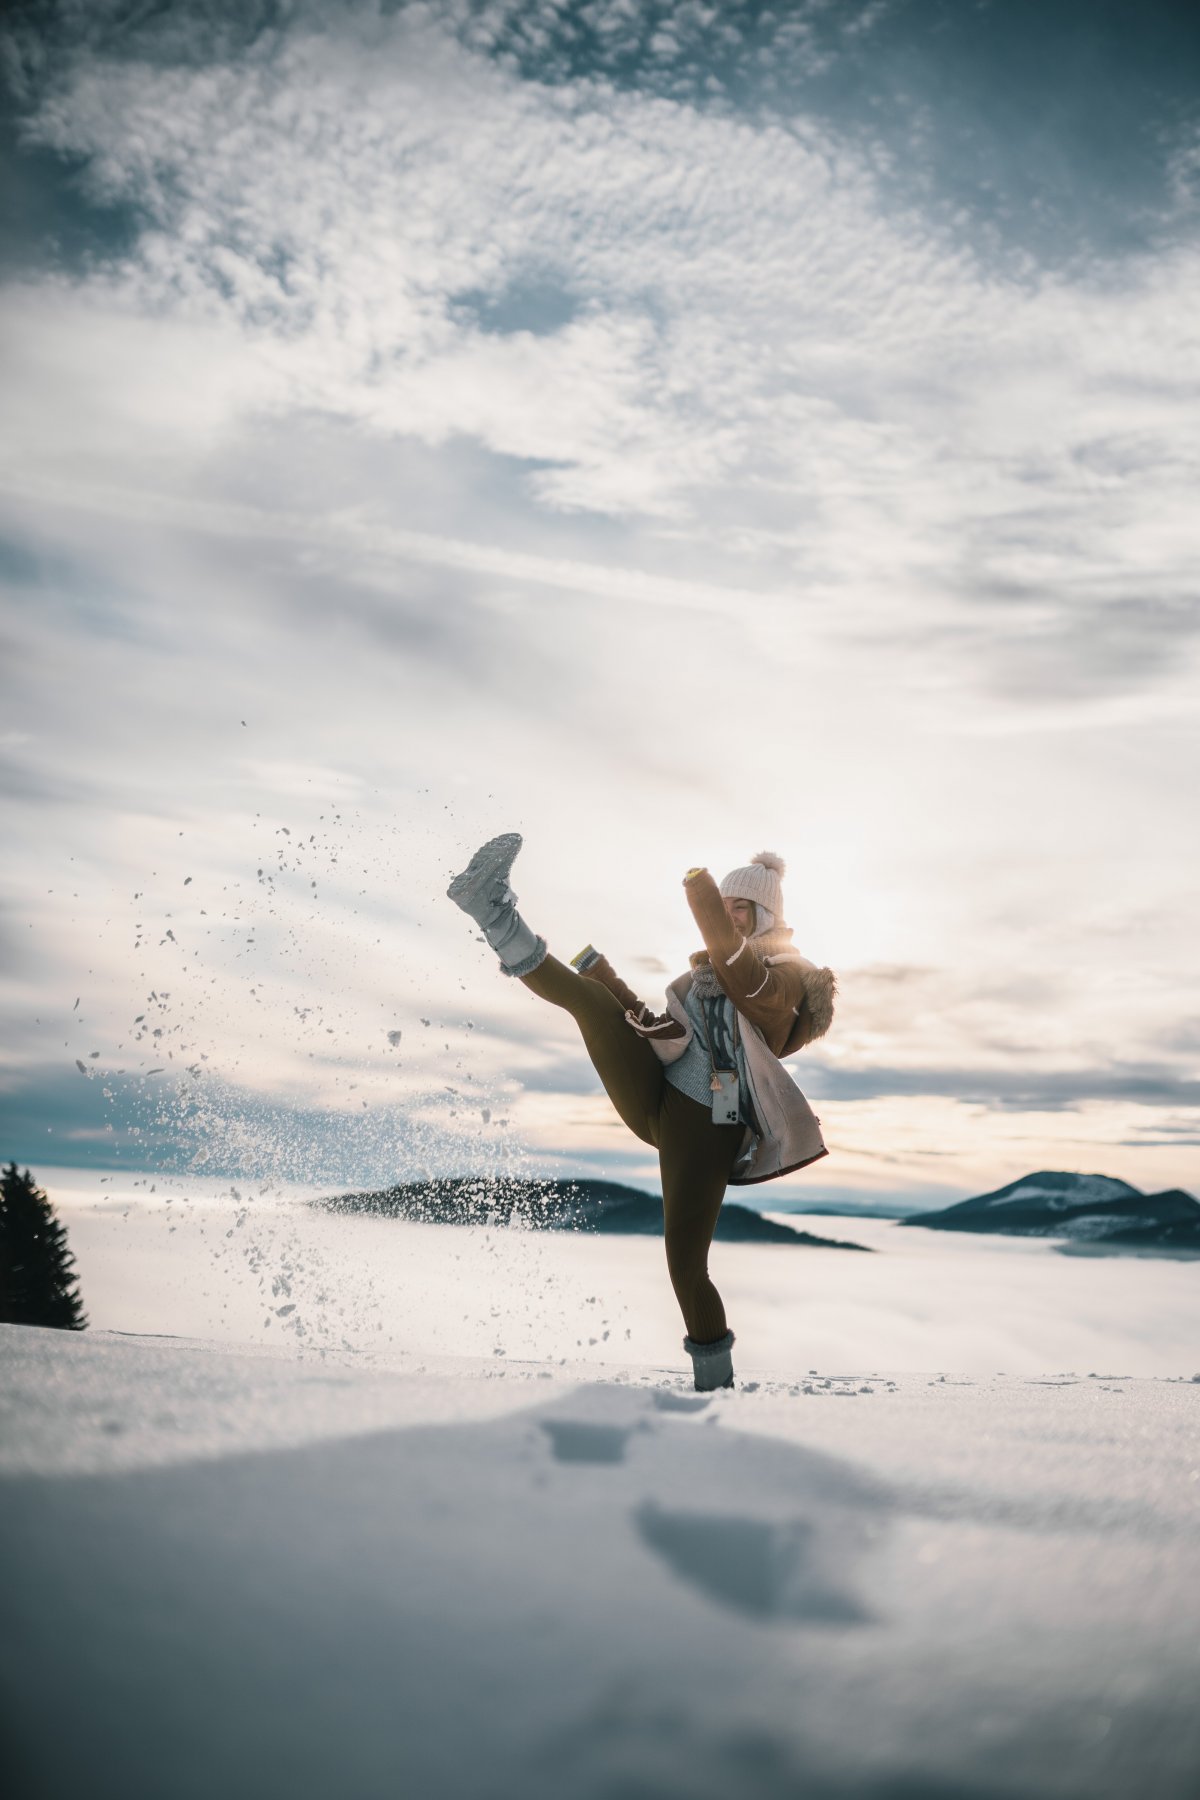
x=555, y=1205
x=1056, y=1189
x=1179, y=1232
x=1089, y=1209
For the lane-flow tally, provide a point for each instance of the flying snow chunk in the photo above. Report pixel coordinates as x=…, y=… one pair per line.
x=394, y=1038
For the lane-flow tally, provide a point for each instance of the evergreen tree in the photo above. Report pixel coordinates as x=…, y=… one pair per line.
x=38, y=1284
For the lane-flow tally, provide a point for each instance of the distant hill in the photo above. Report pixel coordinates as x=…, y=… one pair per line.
x=1091, y=1209
x=581, y=1205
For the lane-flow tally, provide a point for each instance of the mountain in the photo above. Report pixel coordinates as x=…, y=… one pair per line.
x=1095, y=1209
x=582, y=1205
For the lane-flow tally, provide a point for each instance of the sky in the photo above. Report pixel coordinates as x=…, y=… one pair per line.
x=667, y=430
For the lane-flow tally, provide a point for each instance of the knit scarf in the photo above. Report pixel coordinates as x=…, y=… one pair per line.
x=705, y=985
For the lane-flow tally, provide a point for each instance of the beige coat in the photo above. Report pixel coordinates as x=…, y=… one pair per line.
x=783, y=1002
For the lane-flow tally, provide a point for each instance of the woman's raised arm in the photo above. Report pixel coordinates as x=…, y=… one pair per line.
x=767, y=996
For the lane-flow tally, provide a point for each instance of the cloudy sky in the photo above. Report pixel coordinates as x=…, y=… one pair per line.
x=669, y=430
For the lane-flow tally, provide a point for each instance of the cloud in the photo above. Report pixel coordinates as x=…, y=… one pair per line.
x=1030, y=1091
x=23, y=782
x=737, y=310
x=531, y=415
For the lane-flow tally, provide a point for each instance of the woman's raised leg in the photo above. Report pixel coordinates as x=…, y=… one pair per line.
x=631, y=1072
x=625, y=1063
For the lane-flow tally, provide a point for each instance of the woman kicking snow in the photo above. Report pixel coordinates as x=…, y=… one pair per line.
x=703, y=1082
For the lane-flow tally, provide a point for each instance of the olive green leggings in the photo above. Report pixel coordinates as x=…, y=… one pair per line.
x=695, y=1157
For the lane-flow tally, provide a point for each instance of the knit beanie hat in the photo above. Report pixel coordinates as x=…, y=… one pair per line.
x=760, y=881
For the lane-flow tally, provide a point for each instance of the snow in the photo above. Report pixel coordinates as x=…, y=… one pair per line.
x=927, y=1301
x=319, y=1557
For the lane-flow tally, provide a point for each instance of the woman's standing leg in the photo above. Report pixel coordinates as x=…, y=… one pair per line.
x=696, y=1159
x=695, y=1156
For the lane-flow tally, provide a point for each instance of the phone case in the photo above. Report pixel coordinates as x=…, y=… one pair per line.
x=726, y=1108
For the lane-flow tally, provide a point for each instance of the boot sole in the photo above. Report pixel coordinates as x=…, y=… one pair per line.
x=496, y=857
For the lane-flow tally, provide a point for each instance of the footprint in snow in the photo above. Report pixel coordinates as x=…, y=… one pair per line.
x=755, y=1567
x=581, y=1441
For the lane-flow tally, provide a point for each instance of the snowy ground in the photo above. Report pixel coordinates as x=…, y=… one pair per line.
x=431, y=1533
x=248, y=1268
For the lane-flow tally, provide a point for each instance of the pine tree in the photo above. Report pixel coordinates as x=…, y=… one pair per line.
x=38, y=1284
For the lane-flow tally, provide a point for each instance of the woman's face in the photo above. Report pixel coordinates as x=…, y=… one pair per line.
x=742, y=914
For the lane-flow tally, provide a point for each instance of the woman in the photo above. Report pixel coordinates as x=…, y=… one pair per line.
x=703, y=1081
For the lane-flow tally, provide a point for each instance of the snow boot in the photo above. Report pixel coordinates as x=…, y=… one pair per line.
x=483, y=893
x=712, y=1363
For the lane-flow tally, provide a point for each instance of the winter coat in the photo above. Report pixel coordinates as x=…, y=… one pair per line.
x=783, y=1002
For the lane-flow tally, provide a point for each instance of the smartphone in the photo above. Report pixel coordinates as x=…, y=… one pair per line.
x=726, y=1099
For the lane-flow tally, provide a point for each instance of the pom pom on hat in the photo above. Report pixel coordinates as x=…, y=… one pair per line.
x=760, y=880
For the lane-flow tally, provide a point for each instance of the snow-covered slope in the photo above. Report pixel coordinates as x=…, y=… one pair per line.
x=257, y=1269
x=1052, y=1190
x=251, y=1575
